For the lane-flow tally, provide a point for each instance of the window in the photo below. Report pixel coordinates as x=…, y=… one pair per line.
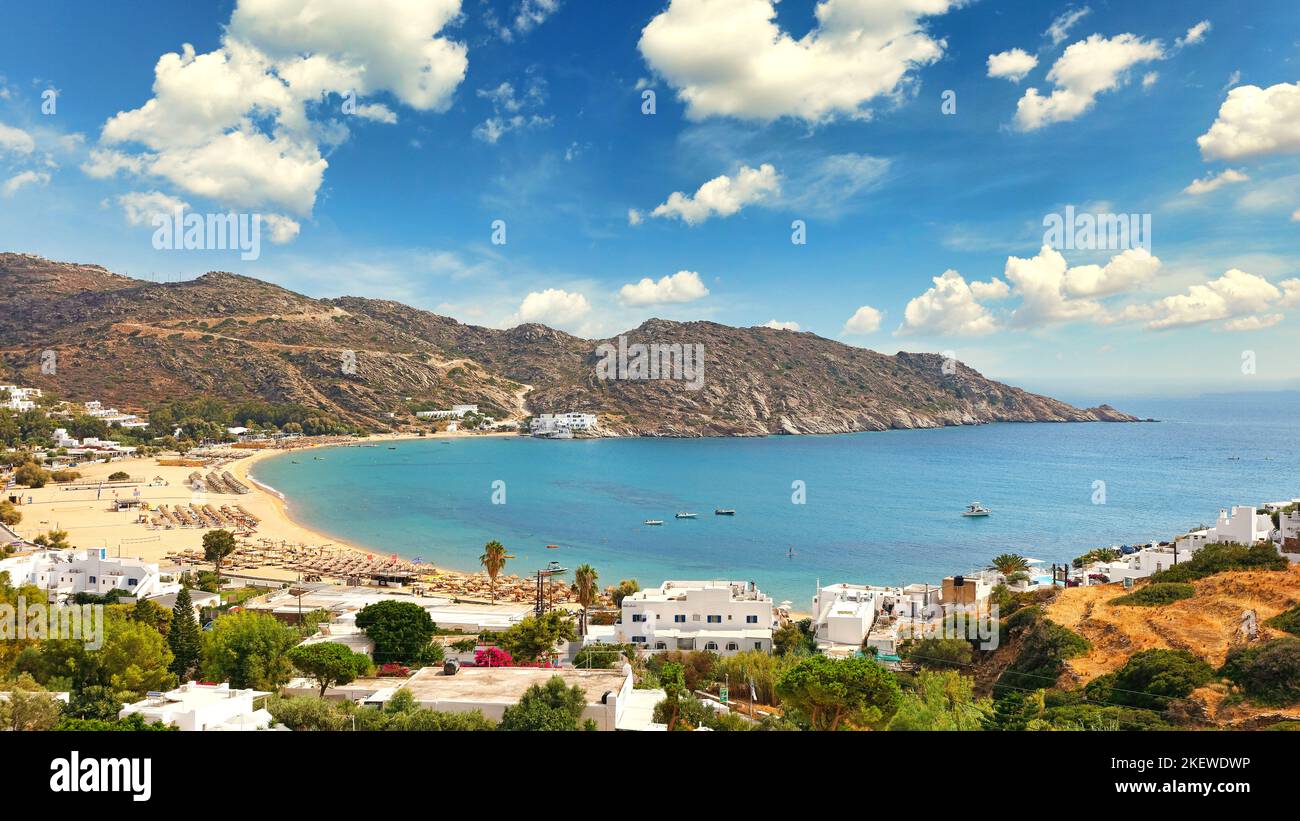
x=132, y=582
x=710, y=645
x=732, y=646
x=636, y=617
x=751, y=619
x=680, y=618
x=92, y=580
x=638, y=639
x=758, y=645
x=715, y=619
x=659, y=645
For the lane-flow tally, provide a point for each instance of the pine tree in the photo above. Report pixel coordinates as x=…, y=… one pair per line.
x=183, y=637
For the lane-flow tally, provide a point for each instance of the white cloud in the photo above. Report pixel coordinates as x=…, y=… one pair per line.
x=1060, y=28
x=634, y=217
x=865, y=320
x=722, y=196
x=1011, y=65
x=1234, y=296
x=1194, y=35
x=1213, y=182
x=105, y=162
x=141, y=206
x=951, y=308
x=1290, y=292
x=1254, y=121
x=233, y=125
x=1253, y=323
x=1296, y=216
x=554, y=307
x=1150, y=78
x=781, y=326
x=527, y=15
x=1086, y=69
x=23, y=179
x=1052, y=292
x=683, y=286
x=826, y=187
x=510, y=110
x=281, y=228
x=16, y=140
x=731, y=58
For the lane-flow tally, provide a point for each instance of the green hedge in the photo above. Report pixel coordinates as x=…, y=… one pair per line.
x=1156, y=595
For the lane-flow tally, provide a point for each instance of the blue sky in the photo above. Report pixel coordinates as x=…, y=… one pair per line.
x=531, y=112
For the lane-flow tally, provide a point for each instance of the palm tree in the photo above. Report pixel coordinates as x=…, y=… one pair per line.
x=493, y=561
x=584, y=587
x=1008, y=564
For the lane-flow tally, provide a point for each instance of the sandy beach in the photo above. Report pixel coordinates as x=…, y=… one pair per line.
x=84, y=509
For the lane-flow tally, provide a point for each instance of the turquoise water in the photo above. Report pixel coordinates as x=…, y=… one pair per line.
x=880, y=507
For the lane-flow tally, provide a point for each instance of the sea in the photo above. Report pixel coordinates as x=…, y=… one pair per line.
x=875, y=508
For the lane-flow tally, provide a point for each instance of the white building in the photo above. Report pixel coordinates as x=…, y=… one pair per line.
x=195, y=707
x=491, y=690
x=720, y=616
x=456, y=412
x=18, y=399
x=1243, y=526
x=550, y=423
x=845, y=616
x=65, y=573
x=1142, y=563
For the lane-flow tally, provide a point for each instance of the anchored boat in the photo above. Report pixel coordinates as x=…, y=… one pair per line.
x=976, y=509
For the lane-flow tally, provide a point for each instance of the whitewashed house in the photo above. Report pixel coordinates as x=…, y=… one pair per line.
x=195, y=707
x=550, y=423
x=1242, y=526
x=64, y=573
x=719, y=616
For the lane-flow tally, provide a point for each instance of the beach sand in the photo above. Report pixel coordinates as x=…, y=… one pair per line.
x=85, y=511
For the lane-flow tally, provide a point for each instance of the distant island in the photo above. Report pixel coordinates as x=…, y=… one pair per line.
x=375, y=363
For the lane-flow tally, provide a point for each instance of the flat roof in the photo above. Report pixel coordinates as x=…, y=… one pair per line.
x=506, y=684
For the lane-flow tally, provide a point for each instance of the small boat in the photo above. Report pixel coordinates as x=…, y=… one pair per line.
x=975, y=509
x=687, y=515
x=296, y=462
x=723, y=512
x=552, y=547
x=789, y=553
x=654, y=521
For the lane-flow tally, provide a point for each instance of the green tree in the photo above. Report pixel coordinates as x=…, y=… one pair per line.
x=95, y=702
x=549, y=707
x=32, y=475
x=829, y=692
x=401, y=631
x=328, y=664
x=1151, y=679
x=1009, y=564
x=217, y=545
x=622, y=590
x=942, y=700
x=183, y=637
x=9, y=514
x=248, y=649
x=29, y=707
x=584, y=587
x=152, y=614
x=939, y=653
x=795, y=639
x=535, y=638
x=494, y=561
x=1013, y=710
x=54, y=540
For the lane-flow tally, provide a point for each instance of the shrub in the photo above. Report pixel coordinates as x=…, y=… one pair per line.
x=1218, y=558
x=1151, y=679
x=1042, y=655
x=65, y=476
x=32, y=475
x=937, y=653
x=1267, y=672
x=601, y=656
x=1288, y=621
x=1156, y=595
x=119, y=476
x=1099, y=717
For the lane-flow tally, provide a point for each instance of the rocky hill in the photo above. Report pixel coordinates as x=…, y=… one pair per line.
x=135, y=343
